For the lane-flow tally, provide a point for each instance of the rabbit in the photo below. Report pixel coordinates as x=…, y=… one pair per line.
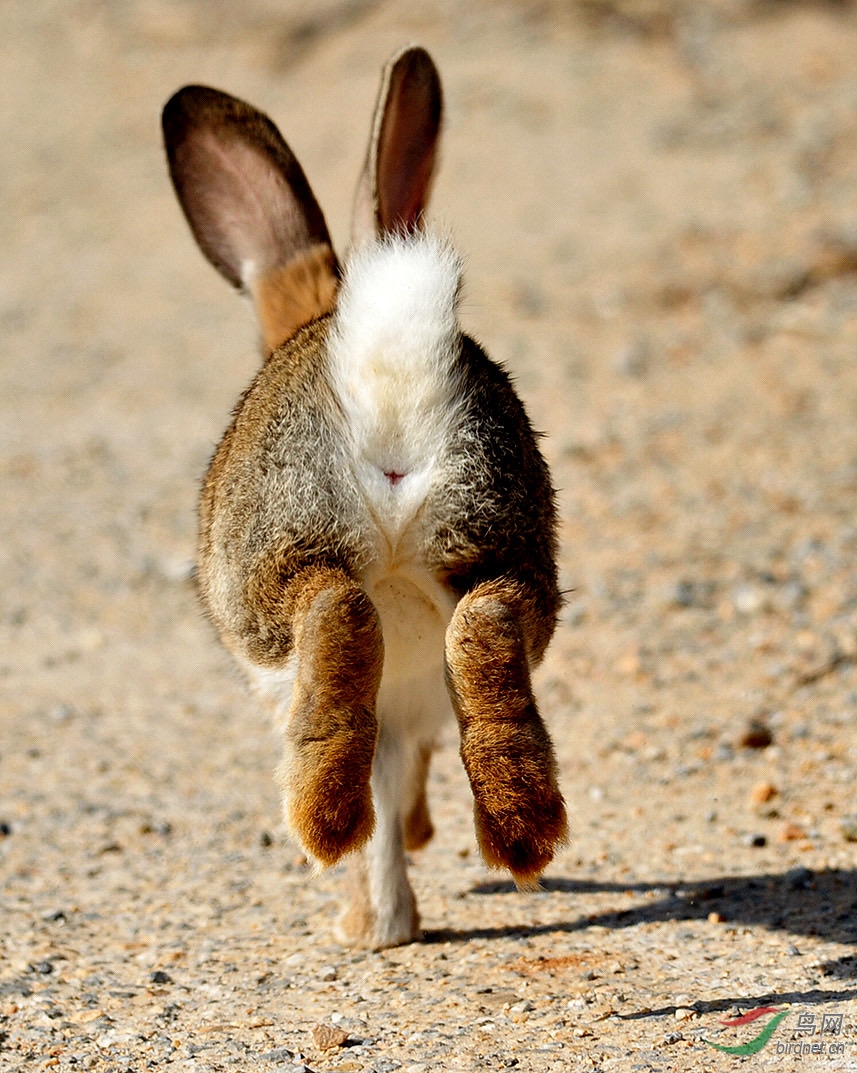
x=377, y=526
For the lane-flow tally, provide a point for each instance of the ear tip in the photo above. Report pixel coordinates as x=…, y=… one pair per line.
x=413, y=71
x=180, y=108
x=413, y=54
x=193, y=102
x=417, y=62
x=181, y=98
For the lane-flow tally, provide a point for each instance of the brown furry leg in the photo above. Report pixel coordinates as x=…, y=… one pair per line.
x=506, y=750
x=331, y=729
x=418, y=825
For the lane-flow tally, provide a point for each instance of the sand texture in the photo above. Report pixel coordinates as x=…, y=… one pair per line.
x=657, y=202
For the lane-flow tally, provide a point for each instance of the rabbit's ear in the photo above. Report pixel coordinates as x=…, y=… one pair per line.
x=394, y=187
x=250, y=208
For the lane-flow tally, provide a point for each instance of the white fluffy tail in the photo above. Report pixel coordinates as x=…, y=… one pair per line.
x=393, y=359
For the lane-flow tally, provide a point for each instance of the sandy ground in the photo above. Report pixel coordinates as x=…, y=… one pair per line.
x=658, y=204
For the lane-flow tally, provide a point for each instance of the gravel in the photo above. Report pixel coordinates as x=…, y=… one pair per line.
x=656, y=202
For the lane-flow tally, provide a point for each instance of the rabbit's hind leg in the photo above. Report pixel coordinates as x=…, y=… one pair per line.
x=331, y=727
x=392, y=899
x=505, y=747
x=418, y=826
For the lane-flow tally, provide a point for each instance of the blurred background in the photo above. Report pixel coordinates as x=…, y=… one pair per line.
x=657, y=203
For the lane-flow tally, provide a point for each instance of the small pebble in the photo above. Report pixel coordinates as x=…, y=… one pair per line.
x=328, y=973
x=62, y=713
x=279, y=1054
x=326, y=1037
x=160, y=977
x=792, y=832
x=756, y=736
x=756, y=841
x=682, y=594
x=684, y=1014
x=800, y=878
x=157, y=827
x=762, y=792
x=632, y=359
x=5, y=829
x=747, y=600
x=848, y=827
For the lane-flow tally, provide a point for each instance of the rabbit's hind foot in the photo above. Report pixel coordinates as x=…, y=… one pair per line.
x=394, y=921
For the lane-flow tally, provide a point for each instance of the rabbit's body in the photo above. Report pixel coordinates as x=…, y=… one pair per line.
x=377, y=527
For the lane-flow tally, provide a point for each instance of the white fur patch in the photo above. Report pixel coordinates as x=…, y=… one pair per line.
x=393, y=355
x=275, y=686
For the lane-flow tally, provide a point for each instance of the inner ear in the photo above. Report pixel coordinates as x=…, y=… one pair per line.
x=407, y=141
x=250, y=208
x=394, y=187
x=244, y=194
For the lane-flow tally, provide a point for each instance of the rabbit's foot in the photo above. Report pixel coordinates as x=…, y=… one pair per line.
x=518, y=810
x=328, y=799
x=331, y=727
x=505, y=747
x=418, y=826
x=393, y=921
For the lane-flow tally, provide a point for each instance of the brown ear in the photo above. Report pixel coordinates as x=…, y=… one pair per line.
x=395, y=184
x=250, y=208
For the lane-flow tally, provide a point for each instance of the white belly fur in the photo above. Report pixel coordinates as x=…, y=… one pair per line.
x=413, y=622
x=413, y=698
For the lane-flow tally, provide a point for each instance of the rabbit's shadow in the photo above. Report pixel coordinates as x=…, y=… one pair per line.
x=822, y=904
